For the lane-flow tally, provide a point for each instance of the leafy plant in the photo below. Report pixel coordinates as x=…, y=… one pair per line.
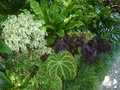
x=2, y=64
x=11, y=6
x=20, y=71
x=57, y=17
x=71, y=41
x=30, y=74
x=4, y=81
x=90, y=76
x=2, y=18
x=90, y=50
x=77, y=44
x=56, y=84
x=62, y=64
x=22, y=34
x=114, y=5
x=97, y=18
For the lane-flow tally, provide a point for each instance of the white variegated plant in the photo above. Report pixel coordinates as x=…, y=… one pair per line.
x=22, y=31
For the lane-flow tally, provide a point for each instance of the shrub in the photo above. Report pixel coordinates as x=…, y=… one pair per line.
x=22, y=34
x=71, y=41
x=58, y=17
x=30, y=74
x=79, y=43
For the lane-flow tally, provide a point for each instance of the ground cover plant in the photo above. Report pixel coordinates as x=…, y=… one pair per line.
x=56, y=44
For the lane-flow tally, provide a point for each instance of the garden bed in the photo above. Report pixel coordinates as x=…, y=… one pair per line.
x=57, y=44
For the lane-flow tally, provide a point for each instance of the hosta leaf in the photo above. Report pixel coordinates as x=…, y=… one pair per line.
x=62, y=64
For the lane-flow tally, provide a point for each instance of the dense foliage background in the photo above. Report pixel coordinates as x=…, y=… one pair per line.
x=57, y=44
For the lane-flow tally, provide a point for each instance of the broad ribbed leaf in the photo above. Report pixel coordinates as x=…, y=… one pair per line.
x=57, y=83
x=62, y=64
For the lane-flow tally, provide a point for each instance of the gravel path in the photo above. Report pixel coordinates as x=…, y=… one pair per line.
x=112, y=79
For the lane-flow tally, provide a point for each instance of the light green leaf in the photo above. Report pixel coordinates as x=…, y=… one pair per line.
x=69, y=18
x=61, y=33
x=66, y=9
x=72, y=24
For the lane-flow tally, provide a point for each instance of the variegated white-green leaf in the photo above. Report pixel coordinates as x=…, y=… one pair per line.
x=62, y=64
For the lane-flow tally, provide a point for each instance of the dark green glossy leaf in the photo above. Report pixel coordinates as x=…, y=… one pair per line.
x=4, y=48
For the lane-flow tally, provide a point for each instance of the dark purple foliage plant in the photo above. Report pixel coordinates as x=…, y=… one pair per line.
x=90, y=50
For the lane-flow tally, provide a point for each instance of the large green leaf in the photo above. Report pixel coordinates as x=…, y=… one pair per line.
x=66, y=9
x=2, y=64
x=4, y=81
x=4, y=48
x=36, y=8
x=2, y=17
x=62, y=64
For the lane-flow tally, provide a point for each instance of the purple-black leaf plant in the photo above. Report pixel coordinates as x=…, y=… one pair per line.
x=89, y=49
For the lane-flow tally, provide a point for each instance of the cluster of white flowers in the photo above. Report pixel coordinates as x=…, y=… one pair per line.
x=22, y=30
